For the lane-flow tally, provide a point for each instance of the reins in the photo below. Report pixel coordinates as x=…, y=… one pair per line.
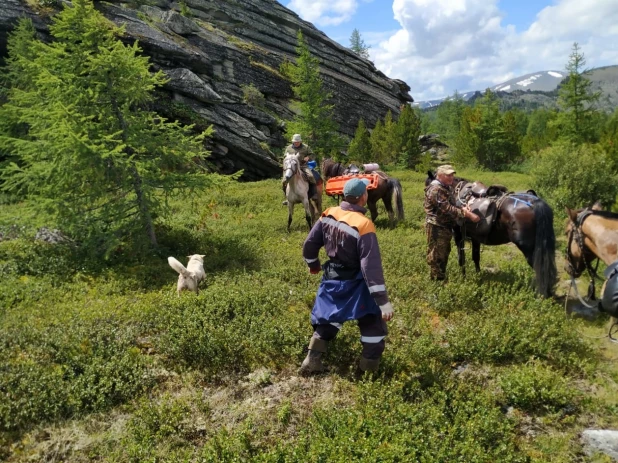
x=577, y=235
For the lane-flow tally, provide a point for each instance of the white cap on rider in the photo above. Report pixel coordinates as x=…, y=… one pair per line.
x=296, y=137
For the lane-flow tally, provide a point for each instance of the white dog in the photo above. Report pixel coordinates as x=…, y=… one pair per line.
x=189, y=278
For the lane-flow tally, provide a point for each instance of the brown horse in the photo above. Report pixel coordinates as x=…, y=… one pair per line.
x=388, y=189
x=591, y=234
x=520, y=218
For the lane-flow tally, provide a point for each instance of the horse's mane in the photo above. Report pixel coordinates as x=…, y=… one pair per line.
x=605, y=214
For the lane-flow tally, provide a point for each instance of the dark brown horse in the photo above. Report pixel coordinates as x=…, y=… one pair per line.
x=520, y=218
x=388, y=189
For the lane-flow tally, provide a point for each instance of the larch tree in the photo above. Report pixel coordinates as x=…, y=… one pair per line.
x=408, y=129
x=360, y=146
x=85, y=146
x=357, y=44
x=575, y=121
x=314, y=120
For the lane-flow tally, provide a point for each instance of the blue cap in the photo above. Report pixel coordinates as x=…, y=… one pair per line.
x=355, y=187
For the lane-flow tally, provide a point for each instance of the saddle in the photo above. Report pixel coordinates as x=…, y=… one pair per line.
x=313, y=191
x=479, y=190
x=487, y=209
x=481, y=200
x=352, y=169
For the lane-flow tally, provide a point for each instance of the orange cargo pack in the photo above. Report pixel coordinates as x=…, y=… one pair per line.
x=334, y=185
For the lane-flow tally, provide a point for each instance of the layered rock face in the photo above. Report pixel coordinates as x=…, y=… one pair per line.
x=216, y=49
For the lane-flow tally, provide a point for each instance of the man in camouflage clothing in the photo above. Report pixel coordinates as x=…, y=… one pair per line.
x=304, y=155
x=441, y=216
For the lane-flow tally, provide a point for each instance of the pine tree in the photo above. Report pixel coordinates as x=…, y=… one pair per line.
x=609, y=139
x=391, y=148
x=539, y=133
x=408, y=130
x=360, y=146
x=576, y=100
x=467, y=143
x=378, y=140
x=315, y=119
x=92, y=153
x=357, y=45
x=448, y=117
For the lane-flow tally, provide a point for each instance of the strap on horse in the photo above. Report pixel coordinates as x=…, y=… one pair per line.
x=592, y=272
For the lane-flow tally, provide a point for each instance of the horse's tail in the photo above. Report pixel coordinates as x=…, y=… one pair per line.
x=544, y=248
x=394, y=189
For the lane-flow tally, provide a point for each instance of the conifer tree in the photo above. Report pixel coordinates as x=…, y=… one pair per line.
x=378, y=142
x=408, y=130
x=540, y=132
x=576, y=100
x=448, y=117
x=609, y=139
x=91, y=152
x=357, y=45
x=392, y=141
x=360, y=146
x=315, y=119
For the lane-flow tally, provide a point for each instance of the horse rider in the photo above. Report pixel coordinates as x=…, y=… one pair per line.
x=352, y=286
x=304, y=155
x=441, y=216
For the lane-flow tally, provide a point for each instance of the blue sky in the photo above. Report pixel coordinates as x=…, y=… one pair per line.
x=439, y=46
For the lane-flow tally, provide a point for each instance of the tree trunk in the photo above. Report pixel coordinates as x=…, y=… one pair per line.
x=137, y=180
x=143, y=207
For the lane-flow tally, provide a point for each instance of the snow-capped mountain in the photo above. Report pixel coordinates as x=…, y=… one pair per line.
x=542, y=81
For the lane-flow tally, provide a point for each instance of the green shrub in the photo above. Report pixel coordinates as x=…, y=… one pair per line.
x=58, y=370
x=515, y=327
x=534, y=387
x=452, y=422
x=252, y=96
x=575, y=176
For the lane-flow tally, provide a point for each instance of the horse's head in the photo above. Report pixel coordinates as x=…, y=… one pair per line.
x=290, y=166
x=578, y=256
x=430, y=178
x=331, y=168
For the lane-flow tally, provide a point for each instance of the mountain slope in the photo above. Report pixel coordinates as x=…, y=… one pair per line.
x=539, y=89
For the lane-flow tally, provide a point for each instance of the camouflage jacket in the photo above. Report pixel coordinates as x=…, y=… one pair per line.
x=301, y=152
x=440, y=206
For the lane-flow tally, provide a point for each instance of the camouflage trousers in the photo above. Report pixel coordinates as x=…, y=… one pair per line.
x=438, y=250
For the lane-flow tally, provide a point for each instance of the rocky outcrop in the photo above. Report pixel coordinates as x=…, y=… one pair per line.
x=215, y=49
x=430, y=143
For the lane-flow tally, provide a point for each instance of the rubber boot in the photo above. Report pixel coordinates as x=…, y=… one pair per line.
x=369, y=364
x=313, y=362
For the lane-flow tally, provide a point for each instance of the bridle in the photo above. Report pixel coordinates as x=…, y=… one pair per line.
x=576, y=234
x=291, y=163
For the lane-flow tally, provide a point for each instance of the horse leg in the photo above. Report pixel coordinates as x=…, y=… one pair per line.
x=290, y=213
x=371, y=205
x=476, y=254
x=388, y=204
x=459, y=244
x=308, y=212
x=318, y=203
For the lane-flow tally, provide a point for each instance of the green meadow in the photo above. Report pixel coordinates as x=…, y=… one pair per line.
x=100, y=360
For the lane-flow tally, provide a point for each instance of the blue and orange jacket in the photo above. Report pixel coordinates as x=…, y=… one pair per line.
x=349, y=238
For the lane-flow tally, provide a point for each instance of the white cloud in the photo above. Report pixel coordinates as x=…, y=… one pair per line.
x=324, y=12
x=448, y=45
